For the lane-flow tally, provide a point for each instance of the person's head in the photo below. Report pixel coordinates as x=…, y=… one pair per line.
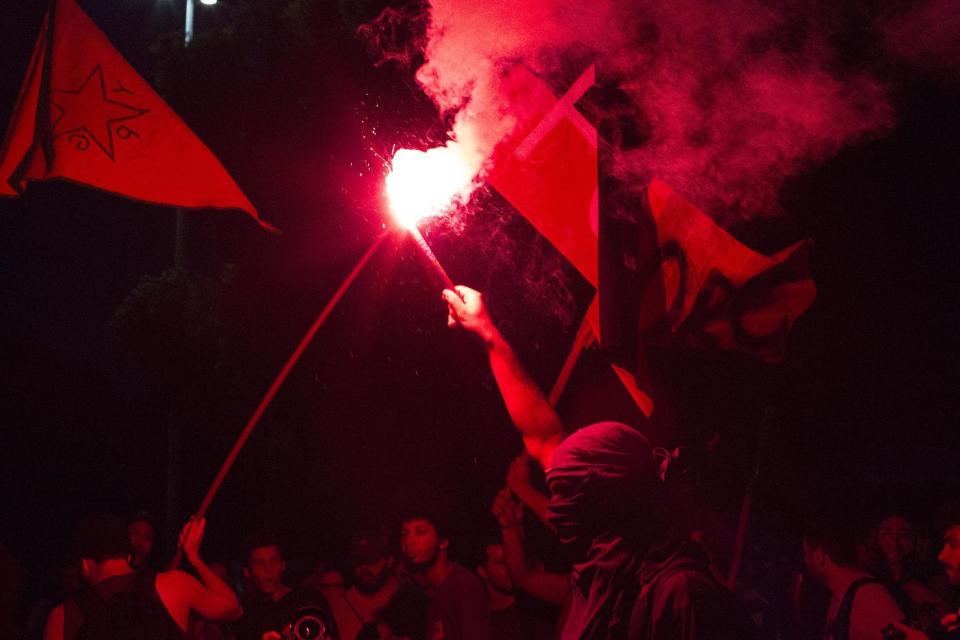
x=827, y=546
x=331, y=583
x=493, y=571
x=601, y=476
x=370, y=560
x=422, y=542
x=98, y=540
x=949, y=556
x=897, y=542
x=265, y=563
x=140, y=531
x=424, y=514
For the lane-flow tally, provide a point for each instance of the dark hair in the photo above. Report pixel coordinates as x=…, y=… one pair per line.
x=101, y=537
x=142, y=516
x=948, y=515
x=837, y=540
x=260, y=540
x=420, y=501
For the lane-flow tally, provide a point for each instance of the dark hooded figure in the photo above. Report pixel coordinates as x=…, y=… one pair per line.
x=600, y=478
x=636, y=573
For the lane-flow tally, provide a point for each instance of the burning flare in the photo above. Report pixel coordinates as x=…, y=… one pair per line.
x=423, y=184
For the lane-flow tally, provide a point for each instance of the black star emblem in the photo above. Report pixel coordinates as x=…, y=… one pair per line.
x=87, y=109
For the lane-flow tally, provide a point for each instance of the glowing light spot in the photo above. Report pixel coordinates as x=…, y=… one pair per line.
x=423, y=184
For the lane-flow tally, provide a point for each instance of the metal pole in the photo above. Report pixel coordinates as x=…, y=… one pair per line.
x=174, y=439
x=188, y=24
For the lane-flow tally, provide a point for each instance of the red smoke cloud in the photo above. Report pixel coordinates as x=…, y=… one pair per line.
x=731, y=97
x=928, y=35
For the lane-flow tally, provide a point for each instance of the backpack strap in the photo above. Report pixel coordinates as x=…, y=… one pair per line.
x=840, y=630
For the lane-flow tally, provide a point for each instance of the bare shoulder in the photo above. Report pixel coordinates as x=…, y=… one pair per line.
x=176, y=579
x=54, y=628
x=876, y=602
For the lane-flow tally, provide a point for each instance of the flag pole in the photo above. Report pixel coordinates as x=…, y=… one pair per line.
x=580, y=342
x=278, y=382
x=746, y=504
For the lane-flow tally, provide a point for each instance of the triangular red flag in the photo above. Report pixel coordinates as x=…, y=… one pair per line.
x=85, y=115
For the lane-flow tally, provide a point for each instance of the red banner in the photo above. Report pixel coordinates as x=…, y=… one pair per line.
x=85, y=115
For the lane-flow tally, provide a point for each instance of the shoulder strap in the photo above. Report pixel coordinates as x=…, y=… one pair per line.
x=353, y=609
x=155, y=621
x=143, y=583
x=88, y=602
x=841, y=624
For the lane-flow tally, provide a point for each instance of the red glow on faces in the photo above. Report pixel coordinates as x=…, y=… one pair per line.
x=423, y=184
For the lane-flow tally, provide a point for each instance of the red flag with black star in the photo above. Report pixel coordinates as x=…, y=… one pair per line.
x=84, y=115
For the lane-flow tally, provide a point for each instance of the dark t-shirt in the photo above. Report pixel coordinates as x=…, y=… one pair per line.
x=520, y=622
x=157, y=620
x=604, y=588
x=459, y=605
x=681, y=600
x=263, y=614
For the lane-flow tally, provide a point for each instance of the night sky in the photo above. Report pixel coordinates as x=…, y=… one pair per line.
x=864, y=408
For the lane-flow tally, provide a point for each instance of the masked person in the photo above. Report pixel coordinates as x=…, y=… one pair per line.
x=631, y=554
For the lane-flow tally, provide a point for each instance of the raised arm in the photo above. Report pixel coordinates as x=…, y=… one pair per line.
x=518, y=479
x=210, y=597
x=529, y=409
x=526, y=575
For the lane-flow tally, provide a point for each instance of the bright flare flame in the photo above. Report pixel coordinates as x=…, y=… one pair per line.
x=423, y=184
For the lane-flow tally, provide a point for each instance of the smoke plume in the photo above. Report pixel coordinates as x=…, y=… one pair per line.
x=729, y=98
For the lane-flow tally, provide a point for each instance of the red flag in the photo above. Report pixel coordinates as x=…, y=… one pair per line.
x=84, y=114
x=677, y=270
x=717, y=291
x=547, y=169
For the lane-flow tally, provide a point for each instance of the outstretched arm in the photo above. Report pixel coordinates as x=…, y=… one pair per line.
x=529, y=409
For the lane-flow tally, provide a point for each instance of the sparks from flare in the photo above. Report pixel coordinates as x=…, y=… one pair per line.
x=424, y=184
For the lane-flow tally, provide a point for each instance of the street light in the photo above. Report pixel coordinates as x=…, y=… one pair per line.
x=181, y=219
x=188, y=22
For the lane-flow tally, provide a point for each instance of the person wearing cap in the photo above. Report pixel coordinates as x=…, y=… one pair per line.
x=607, y=505
x=374, y=584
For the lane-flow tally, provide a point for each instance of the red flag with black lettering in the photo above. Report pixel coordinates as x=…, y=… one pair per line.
x=84, y=115
x=669, y=272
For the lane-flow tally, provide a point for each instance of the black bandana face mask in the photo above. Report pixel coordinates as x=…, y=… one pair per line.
x=570, y=509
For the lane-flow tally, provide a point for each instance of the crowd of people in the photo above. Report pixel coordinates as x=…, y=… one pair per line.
x=596, y=534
